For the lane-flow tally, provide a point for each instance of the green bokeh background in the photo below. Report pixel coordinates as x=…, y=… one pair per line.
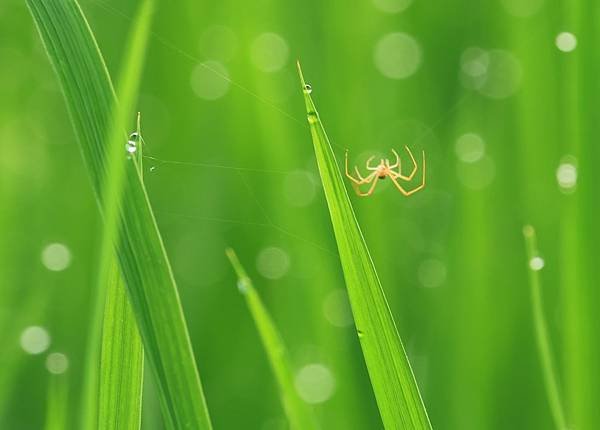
x=451, y=258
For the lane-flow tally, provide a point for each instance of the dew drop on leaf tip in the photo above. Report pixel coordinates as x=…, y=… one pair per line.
x=243, y=285
x=307, y=89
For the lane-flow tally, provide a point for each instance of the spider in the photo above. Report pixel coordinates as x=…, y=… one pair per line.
x=383, y=170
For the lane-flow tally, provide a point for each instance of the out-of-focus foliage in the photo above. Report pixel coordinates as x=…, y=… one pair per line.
x=502, y=97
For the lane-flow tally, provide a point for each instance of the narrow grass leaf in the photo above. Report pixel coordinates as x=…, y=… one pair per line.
x=393, y=382
x=535, y=264
x=57, y=403
x=119, y=379
x=142, y=258
x=122, y=362
x=299, y=414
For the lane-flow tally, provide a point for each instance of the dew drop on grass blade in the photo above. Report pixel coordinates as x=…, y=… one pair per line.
x=535, y=264
x=392, y=379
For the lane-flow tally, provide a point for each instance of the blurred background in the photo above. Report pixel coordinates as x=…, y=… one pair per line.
x=502, y=95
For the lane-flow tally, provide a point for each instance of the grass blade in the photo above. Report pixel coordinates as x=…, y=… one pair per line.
x=393, y=382
x=298, y=412
x=122, y=353
x=122, y=363
x=541, y=330
x=142, y=258
x=57, y=403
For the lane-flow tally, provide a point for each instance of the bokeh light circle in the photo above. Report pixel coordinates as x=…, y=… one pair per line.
x=336, y=308
x=56, y=257
x=566, y=174
x=269, y=52
x=432, y=273
x=210, y=80
x=503, y=75
x=35, y=340
x=299, y=188
x=272, y=262
x=566, y=42
x=469, y=147
x=57, y=363
x=315, y=383
x=397, y=55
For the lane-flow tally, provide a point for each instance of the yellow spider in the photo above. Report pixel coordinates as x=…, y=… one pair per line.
x=383, y=170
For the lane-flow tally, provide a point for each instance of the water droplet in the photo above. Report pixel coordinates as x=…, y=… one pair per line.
x=313, y=118
x=153, y=168
x=307, y=89
x=360, y=333
x=131, y=146
x=536, y=263
x=243, y=285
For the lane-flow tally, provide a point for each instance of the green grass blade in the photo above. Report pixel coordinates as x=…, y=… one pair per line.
x=298, y=412
x=141, y=254
x=122, y=357
x=117, y=379
x=541, y=331
x=57, y=403
x=122, y=363
x=393, y=382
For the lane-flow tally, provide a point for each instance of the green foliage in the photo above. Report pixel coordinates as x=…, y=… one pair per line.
x=142, y=258
x=541, y=330
x=299, y=414
x=393, y=382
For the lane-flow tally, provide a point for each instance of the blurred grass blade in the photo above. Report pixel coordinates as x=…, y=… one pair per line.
x=298, y=412
x=122, y=363
x=142, y=258
x=541, y=330
x=57, y=403
x=393, y=382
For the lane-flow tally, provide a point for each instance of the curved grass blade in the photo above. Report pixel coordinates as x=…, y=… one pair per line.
x=541, y=331
x=298, y=412
x=393, y=382
x=141, y=254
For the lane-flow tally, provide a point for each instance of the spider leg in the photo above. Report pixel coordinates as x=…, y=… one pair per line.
x=352, y=178
x=414, y=170
x=358, y=173
x=402, y=190
x=369, y=163
x=397, y=161
x=371, y=189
